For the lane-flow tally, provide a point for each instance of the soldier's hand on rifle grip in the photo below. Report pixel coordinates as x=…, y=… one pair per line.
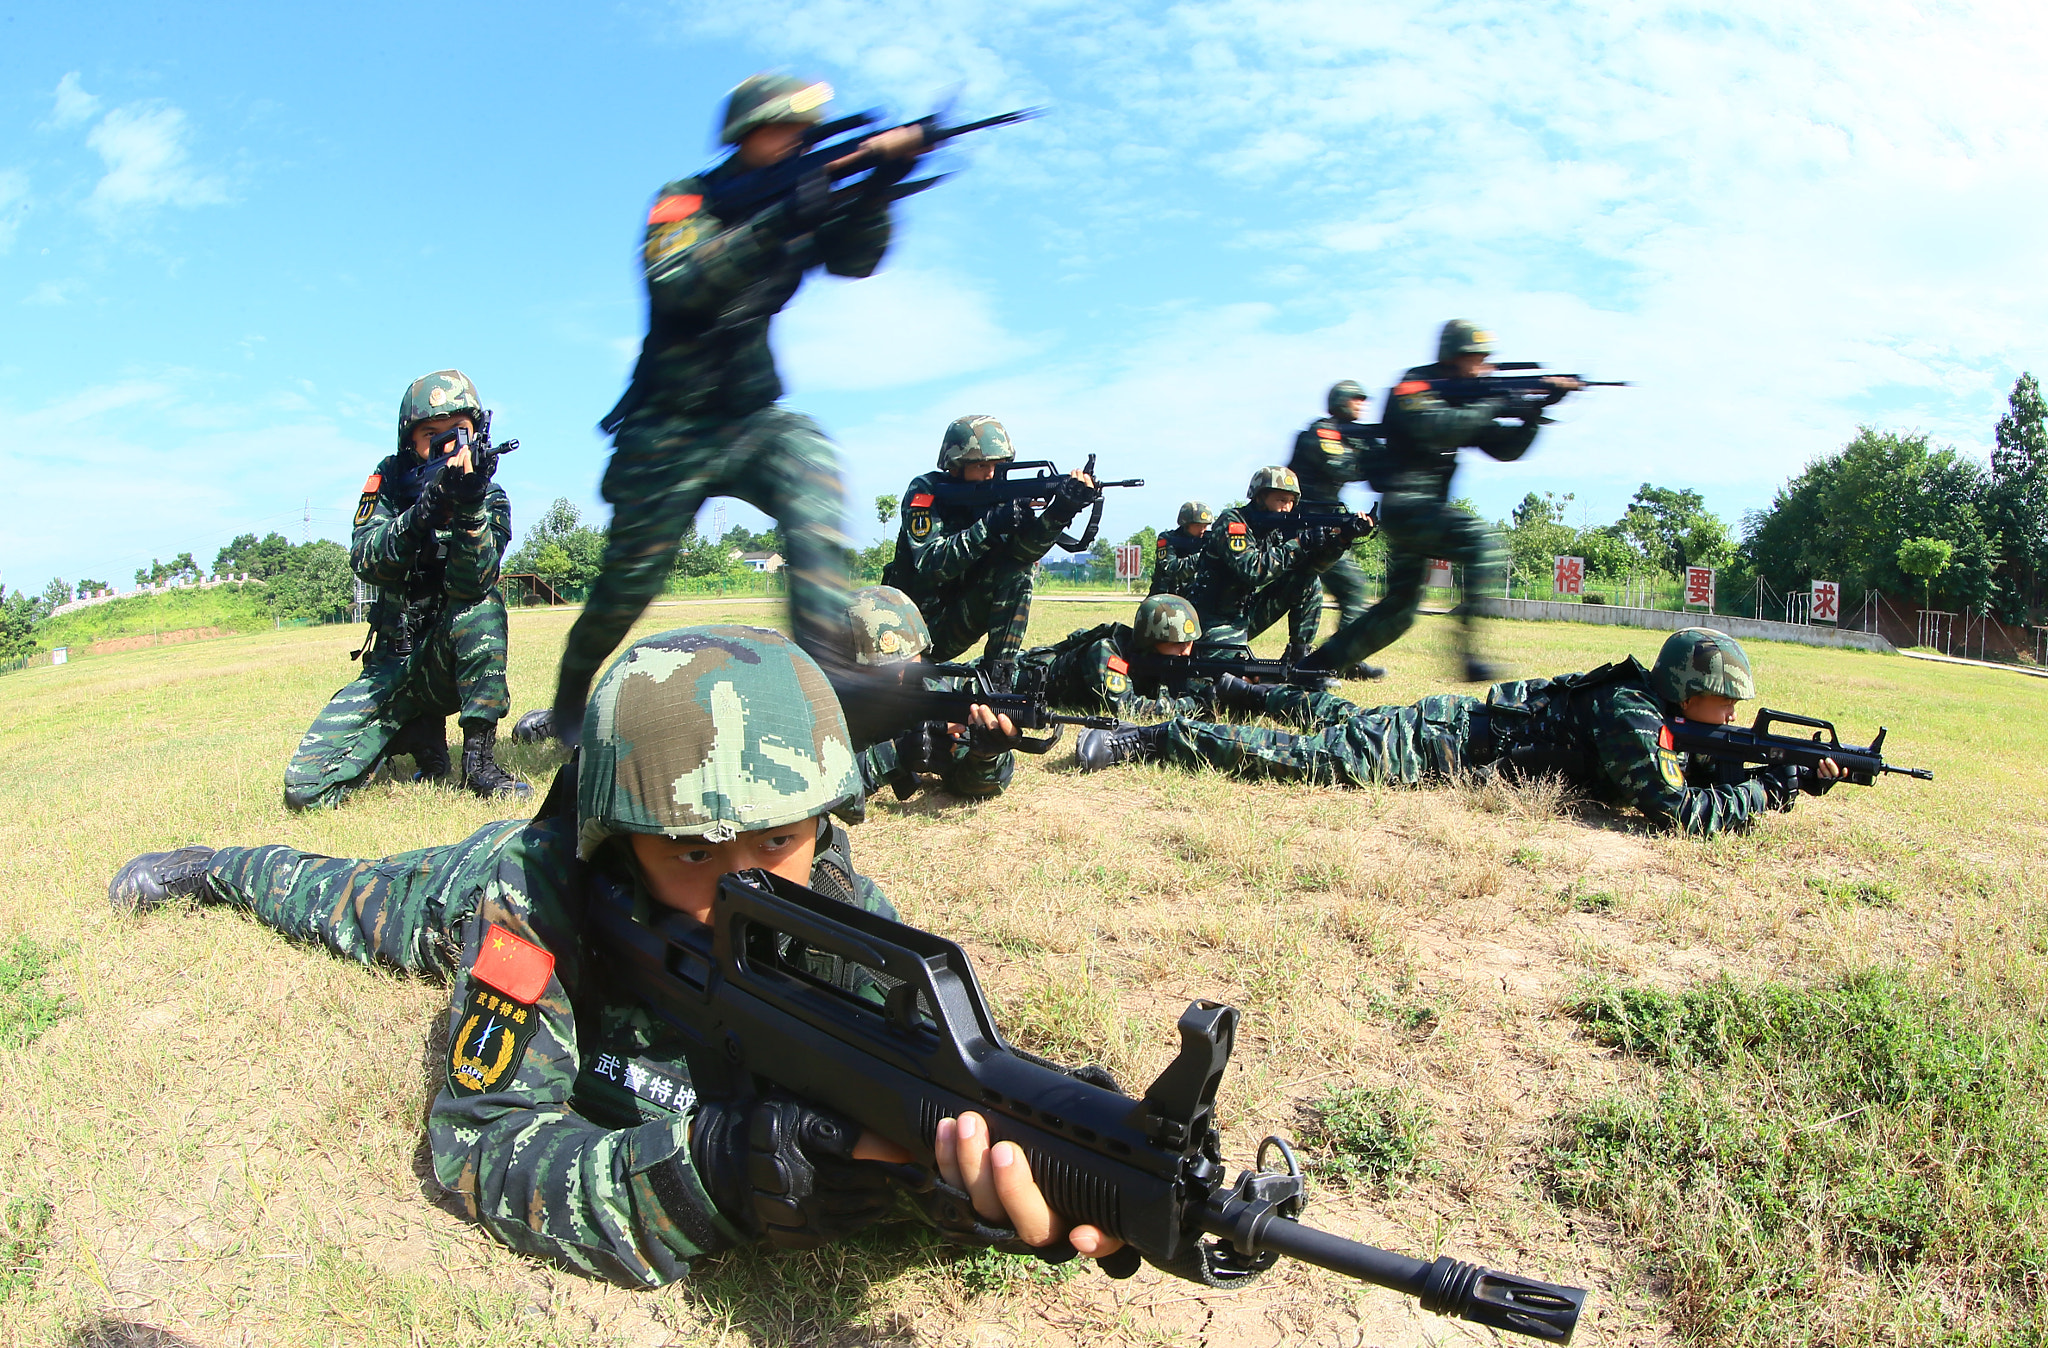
x=1822, y=779
x=999, y=1181
x=809, y=204
x=987, y=733
x=1560, y=385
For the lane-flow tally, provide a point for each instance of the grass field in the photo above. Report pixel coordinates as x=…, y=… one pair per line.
x=1783, y=1088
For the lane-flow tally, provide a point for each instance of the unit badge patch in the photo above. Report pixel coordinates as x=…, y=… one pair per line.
x=920, y=516
x=1236, y=538
x=490, y=1041
x=367, y=505
x=1669, y=768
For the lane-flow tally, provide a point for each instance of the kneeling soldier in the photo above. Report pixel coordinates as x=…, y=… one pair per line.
x=1602, y=731
x=1175, y=554
x=1245, y=581
x=568, y=1123
x=429, y=533
x=972, y=760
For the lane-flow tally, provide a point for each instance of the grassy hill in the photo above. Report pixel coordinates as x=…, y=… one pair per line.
x=1786, y=1087
x=234, y=608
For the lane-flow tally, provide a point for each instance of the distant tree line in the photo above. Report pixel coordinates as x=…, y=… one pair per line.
x=566, y=553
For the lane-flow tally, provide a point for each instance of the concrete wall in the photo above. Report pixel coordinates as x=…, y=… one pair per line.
x=1742, y=629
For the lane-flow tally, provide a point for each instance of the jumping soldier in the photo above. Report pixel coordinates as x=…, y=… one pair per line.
x=1175, y=554
x=1333, y=452
x=968, y=570
x=1424, y=432
x=1246, y=581
x=972, y=760
x=1601, y=731
x=1100, y=670
x=701, y=416
x=568, y=1123
x=429, y=533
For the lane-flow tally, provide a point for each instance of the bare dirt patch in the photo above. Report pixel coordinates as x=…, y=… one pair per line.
x=177, y=638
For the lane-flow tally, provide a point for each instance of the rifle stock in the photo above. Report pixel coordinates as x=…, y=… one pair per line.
x=916, y=1043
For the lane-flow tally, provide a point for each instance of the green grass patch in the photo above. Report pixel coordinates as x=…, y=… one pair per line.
x=1870, y=893
x=27, y=1008
x=1362, y=1135
x=985, y=1271
x=23, y=1224
x=1860, y=1162
x=1581, y=900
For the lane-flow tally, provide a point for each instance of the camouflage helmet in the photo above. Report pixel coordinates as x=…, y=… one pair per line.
x=1342, y=392
x=1462, y=337
x=1167, y=617
x=1701, y=660
x=440, y=394
x=1194, y=512
x=975, y=440
x=706, y=732
x=885, y=627
x=764, y=100
x=1274, y=478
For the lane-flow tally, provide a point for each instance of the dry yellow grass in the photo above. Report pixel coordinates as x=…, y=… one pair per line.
x=226, y=1128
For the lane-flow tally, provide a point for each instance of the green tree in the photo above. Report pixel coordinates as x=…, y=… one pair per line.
x=261, y=560
x=2017, y=509
x=699, y=557
x=318, y=585
x=92, y=586
x=1926, y=558
x=55, y=593
x=560, y=527
x=552, y=564
x=1147, y=541
x=1674, y=529
x=885, y=508
x=871, y=561
x=180, y=567
x=1536, y=534
x=19, y=615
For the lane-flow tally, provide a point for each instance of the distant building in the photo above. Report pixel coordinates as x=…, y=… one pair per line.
x=769, y=562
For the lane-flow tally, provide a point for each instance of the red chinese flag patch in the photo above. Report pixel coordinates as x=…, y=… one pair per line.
x=1326, y=433
x=370, y=487
x=671, y=209
x=921, y=500
x=1119, y=664
x=1407, y=387
x=1162, y=545
x=519, y=969
x=1237, y=526
x=1664, y=740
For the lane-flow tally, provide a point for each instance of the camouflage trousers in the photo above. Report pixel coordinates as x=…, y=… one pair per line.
x=404, y=911
x=1417, y=529
x=992, y=600
x=1340, y=744
x=662, y=470
x=1297, y=597
x=457, y=665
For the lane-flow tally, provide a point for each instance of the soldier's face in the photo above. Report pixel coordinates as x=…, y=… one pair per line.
x=1281, y=502
x=1708, y=709
x=1470, y=363
x=1354, y=408
x=423, y=434
x=1198, y=528
x=1173, y=647
x=683, y=873
x=771, y=144
x=980, y=470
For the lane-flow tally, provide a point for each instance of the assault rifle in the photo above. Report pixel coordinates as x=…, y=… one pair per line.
x=1309, y=515
x=979, y=498
x=741, y=196
x=746, y=996
x=1213, y=662
x=883, y=703
x=1861, y=764
x=1524, y=392
x=407, y=487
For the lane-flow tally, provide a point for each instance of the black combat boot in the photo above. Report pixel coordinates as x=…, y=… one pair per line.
x=425, y=739
x=534, y=727
x=480, y=770
x=1099, y=749
x=1362, y=670
x=1480, y=670
x=155, y=878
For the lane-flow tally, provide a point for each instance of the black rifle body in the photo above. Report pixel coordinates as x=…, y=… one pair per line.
x=1861, y=764
x=923, y=1047
x=1305, y=516
x=957, y=496
x=884, y=702
x=1213, y=662
x=1522, y=390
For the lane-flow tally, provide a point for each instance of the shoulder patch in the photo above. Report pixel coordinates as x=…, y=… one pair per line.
x=664, y=241
x=1328, y=433
x=1119, y=665
x=519, y=969
x=374, y=481
x=670, y=209
x=1162, y=544
x=366, y=504
x=490, y=1041
x=1409, y=386
x=921, y=501
x=1669, y=768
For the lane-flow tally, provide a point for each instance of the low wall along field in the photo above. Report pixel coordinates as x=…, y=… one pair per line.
x=1789, y=1086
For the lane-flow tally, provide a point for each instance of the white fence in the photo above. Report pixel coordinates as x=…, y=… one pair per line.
x=108, y=596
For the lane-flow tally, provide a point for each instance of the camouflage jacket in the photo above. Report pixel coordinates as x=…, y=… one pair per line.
x=1092, y=676
x=1425, y=433
x=1602, y=730
x=562, y=1125
x=413, y=565
x=712, y=288
x=1173, y=561
x=1236, y=564
x=935, y=548
x=1327, y=460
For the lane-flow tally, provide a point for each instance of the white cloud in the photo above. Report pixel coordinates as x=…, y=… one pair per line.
x=51, y=293
x=898, y=328
x=148, y=164
x=72, y=104
x=13, y=204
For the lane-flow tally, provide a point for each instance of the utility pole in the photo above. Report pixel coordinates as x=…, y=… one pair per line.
x=306, y=536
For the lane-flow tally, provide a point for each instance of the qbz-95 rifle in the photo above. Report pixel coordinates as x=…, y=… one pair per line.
x=1308, y=516
x=1861, y=764
x=407, y=487
x=1213, y=662
x=1010, y=485
x=744, y=995
x=884, y=702
x=1523, y=391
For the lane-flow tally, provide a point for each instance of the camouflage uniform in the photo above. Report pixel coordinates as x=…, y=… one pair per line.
x=969, y=577
x=563, y=1124
x=701, y=419
x=436, y=588
x=887, y=629
x=1092, y=671
x=1244, y=582
x=1328, y=456
x=1602, y=731
x=1177, y=551
x=1424, y=434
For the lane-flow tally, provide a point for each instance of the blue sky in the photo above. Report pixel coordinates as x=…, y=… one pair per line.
x=230, y=235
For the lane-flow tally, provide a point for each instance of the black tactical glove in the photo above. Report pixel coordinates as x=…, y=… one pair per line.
x=435, y=506
x=1009, y=518
x=782, y=1170
x=922, y=748
x=1781, y=786
x=809, y=204
x=1070, y=498
x=467, y=489
x=986, y=742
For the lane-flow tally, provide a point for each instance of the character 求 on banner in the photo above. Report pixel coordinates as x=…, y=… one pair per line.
x=1827, y=601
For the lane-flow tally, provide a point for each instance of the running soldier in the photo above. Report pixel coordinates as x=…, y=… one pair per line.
x=430, y=531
